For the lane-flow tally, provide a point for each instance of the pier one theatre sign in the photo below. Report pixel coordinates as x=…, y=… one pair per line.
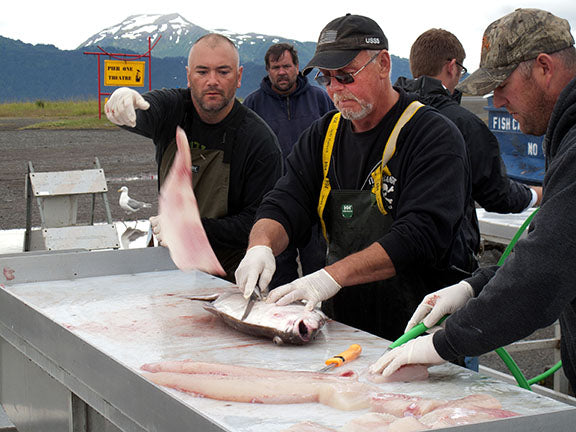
x=119, y=73
x=123, y=70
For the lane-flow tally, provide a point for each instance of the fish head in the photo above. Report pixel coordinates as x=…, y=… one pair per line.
x=306, y=326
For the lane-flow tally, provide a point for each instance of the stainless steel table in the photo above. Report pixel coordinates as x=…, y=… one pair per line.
x=75, y=327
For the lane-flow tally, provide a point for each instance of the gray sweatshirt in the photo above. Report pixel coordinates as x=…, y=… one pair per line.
x=537, y=283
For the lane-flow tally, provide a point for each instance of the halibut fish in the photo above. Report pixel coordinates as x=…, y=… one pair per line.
x=291, y=324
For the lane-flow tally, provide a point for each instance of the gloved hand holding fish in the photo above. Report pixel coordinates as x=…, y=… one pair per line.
x=419, y=351
x=256, y=268
x=312, y=288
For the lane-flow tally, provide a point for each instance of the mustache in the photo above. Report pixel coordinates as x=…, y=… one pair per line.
x=213, y=90
x=339, y=97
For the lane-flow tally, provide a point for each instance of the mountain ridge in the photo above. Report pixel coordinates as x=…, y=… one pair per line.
x=31, y=72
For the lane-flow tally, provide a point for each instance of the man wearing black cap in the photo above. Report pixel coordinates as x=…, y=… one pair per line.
x=387, y=179
x=528, y=59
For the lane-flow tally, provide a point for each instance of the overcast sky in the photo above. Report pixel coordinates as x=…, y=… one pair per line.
x=64, y=24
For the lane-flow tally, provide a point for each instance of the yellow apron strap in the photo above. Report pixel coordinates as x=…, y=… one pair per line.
x=326, y=156
x=389, y=150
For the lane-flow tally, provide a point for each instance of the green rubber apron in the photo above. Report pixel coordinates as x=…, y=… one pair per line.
x=351, y=221
x=210, y=180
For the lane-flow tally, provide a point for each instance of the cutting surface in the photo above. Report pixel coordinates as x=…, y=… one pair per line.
x=149, y=317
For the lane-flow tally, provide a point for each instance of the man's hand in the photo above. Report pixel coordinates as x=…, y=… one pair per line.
x=313, y=288
x=442, y=302
x=417, y=351
x=121, y=107
x=156, y=230
x=256, y=268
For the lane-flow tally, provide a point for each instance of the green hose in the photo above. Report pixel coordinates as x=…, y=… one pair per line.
x=506, y=358
x=516, y=237
x=545, y=374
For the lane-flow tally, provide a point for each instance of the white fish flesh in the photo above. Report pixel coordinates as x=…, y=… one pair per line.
x=407, y=373
x=308, y=426
x=471, y=409
x=257, y=385
x=180, y=221
x=403, y=413
x=402, y=405
x=369, y=422
x=376, y=422
x=291, y=324
x=390, y=412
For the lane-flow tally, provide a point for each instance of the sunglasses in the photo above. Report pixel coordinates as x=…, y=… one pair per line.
x=343, y=78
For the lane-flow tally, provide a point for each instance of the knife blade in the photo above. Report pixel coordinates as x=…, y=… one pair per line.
x=350, y=354
x=256, y=295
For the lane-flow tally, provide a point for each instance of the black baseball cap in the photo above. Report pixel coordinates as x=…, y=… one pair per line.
x=343, y=38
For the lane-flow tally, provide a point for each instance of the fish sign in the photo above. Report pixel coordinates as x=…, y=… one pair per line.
x=119, y=73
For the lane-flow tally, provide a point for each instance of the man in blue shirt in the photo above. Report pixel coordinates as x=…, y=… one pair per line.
x=289, y=104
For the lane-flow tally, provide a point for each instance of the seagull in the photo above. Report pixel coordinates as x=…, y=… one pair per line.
x=128, y=204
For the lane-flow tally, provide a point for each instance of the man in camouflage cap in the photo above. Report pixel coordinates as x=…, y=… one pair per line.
x=513, y=39
x=529, y=61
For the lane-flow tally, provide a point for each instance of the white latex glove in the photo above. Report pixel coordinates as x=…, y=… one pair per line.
x=417, y=351
x=121, y=107
x=256, y=268
x=156, y=230
x=313, y=288
x=442, y=302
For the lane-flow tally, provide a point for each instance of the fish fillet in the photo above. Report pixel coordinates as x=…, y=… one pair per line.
x=406, y=373
x=308, y=426
x=471, y=409
x=369, y=422
x=402, y=405
x=257, y=385
x=180, y=220
x=403, y=413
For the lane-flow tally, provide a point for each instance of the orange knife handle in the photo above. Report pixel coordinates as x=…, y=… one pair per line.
x=350, y=354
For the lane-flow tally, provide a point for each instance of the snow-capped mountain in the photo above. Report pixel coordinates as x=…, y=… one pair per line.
x=178, y=34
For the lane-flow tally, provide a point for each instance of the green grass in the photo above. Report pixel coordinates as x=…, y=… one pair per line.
x=81, y=114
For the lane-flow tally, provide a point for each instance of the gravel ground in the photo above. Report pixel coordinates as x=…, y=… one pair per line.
x=128, y=159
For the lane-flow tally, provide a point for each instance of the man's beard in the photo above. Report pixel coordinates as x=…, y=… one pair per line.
x=351, y=114
x=283, y=85
x=212, y=106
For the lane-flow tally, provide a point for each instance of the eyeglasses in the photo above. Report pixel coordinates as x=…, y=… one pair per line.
x=463, y=70
x=344, y=78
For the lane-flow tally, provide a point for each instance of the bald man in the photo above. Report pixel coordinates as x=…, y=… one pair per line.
x=236, y=158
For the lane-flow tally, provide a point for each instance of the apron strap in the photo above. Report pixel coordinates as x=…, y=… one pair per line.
x=326, y=156
x=389, y=150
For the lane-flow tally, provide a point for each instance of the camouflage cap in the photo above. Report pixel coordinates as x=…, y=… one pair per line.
x=511, y=40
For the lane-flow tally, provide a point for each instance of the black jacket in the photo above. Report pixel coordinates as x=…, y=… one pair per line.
x=491, y=188
x=431, y=185
x=536, y=284
x=255, y=160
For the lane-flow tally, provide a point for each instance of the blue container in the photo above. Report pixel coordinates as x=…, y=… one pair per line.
x=523, y=154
